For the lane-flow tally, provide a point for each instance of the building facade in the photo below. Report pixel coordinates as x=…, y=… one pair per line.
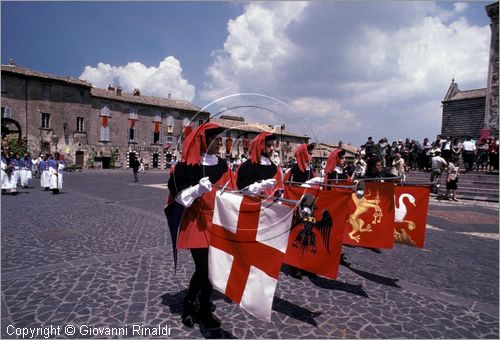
x=463, y=112
x=239, y=133
x=94, y=127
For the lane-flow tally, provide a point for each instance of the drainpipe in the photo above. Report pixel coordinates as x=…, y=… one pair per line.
x=26, y=109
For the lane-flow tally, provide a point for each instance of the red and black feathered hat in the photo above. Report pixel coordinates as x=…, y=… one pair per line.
x=302, y=156
x=196, y=142
x=258, y=145
x=333, y=159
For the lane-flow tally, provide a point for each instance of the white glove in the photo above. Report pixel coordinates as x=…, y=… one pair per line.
x=268, y=183
x=188, y=195
x=315, y=180
x=204, y=185
x=255, y=188
x=305, y=185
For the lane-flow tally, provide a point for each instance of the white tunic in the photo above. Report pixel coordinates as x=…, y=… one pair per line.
x=56, y=177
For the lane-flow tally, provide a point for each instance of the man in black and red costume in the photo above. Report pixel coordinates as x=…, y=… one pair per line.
x=259, y=175
x=191, y=188
x=302, y=171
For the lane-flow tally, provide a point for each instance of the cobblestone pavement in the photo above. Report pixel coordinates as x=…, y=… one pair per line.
x=98, y=257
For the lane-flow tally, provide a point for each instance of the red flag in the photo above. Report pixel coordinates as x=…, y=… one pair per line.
x=315, y=243
x=104, y=121
x=247, y=245
x=132, y=123
x=370, y=220
x=157, y=127
x=412, y=205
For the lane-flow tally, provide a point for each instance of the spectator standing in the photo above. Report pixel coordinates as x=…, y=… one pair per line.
x=398, y=166
x=382, y=151
x=482, y=156
x=135, y=168
x=413, y=157
x=437, y=168
x=469, y=151
x=369, y=147
x=359, y=167
x=173, y=162
x=493, y=154
x=142, y=170
x=425, y=154
x=447, y=149
x=452, y=179
x=456, y=149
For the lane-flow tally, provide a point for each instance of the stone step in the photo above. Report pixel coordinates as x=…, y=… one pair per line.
x=471, y=185
x=463, y=175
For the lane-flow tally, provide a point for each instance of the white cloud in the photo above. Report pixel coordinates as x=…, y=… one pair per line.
x=154, y=81
x=354, y=69
x=255, y=47
x=460, y=6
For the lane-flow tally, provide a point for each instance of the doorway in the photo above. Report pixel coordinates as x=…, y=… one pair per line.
x=79, y=159
x=106, y=162
x=155, y=161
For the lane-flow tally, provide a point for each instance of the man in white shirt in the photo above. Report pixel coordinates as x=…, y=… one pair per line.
x=469, y=151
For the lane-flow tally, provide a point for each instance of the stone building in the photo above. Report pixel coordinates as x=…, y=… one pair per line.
x=239, y=133
x=105, y=128
x=463, y=112
x=91, y=126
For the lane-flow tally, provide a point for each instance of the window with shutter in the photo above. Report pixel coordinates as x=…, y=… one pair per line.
x=45, y=120
x=6, y=112
x=170, y=124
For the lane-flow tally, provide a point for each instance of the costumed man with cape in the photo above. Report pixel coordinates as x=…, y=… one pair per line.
x=189, y=211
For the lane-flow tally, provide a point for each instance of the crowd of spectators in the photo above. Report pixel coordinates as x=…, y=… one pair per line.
x=480, y=155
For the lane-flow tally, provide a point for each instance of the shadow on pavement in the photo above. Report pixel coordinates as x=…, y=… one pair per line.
x=175, y=301
x=375, y=278
x=337, y=285
x=294, y=311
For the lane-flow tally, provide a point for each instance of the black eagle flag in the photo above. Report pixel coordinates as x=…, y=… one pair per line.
x=321, y=215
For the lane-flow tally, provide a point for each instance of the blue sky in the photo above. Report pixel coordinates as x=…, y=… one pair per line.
x=337, y=70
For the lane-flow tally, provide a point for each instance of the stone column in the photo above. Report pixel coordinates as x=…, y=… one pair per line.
x=491, y=111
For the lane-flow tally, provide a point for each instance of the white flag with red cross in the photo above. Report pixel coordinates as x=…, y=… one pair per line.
x=247, y=246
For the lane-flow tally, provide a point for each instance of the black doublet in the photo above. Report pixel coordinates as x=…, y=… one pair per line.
x=334, y=175
x=249, y=173
x=296, y=175
x=188, y=175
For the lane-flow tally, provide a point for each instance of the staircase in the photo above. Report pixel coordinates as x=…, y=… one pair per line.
x=472, y=185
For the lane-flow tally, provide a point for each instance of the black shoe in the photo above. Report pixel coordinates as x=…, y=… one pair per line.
x=295, y=273
x=188, y=312
x=343, y=261
x=208, y=320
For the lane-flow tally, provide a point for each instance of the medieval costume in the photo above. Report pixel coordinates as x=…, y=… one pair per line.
x=15, y=178
x=302, y=171
x=26, y=171
x=259, y=175
x=191, y=186
x=334, y=172
x=7, y=181
x=334, y=169
x=43, y=167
